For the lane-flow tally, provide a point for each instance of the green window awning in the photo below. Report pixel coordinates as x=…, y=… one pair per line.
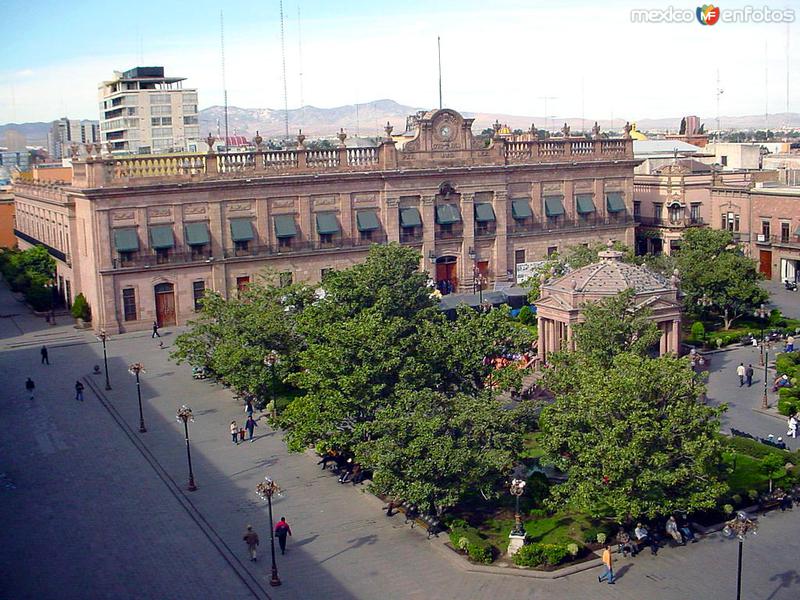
x=367, y=220
x=614, y=202
x=447, y=214
x=797, y=231
x=520, y=209
x=161, y=237
x=484, y=213
x=584, y=204
x=409, y=217
x=327, y=223
x=553, y=206
x=126, y=240
x=197, y=234
x=284, y=226
x=241, y=230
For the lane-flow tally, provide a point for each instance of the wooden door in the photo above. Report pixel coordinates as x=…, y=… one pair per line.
x=165, y=304
x=765, y=263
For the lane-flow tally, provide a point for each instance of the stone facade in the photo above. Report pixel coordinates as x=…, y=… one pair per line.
x=148, y=235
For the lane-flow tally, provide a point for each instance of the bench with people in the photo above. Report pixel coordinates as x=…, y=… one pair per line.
x=644, y=536
x=769, y=441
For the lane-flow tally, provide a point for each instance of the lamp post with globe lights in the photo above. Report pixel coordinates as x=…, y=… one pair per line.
x=266, y=489
x=761, y=313
x=706, y=303
x=517, y=488
x=135, y=369
x=739, y=527
x=185, y=415
x=103, y=336
x=271, y=360
x=765, y=344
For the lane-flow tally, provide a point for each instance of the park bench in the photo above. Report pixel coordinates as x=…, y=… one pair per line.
x=429, y=523
x=775, y=444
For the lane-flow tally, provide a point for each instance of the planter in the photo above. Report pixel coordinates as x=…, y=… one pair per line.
x=81, y=324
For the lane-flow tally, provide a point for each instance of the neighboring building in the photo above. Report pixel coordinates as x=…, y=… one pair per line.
x=655, y=154
x=766, y=219
x=734, y=156
x=787, y=165
x=7, y=239
x=64, y=132
x=53, y=172
x=11, y=160
x=144, y=112
x=143, y=238
x=691, y=132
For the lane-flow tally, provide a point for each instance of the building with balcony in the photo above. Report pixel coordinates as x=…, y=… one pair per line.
x=148, y=235
x=7, y=239
x=64, y=132
x=766, y=220
x=144, y=112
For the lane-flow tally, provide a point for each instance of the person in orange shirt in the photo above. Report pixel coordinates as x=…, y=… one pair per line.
x=608, y=571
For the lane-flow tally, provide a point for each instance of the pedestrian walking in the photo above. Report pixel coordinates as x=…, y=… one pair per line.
x=748, y=373
x=250, y=426
x=234, y=433
x=45, y=357
x=30, y=386
x=241, y=434
x=155, y=331
x=790, y=344
x=282, y=529
x=608, y=570
x=792, y=423
x=78, y=391
x=248, y=408
x=740, y=371
x=251, y=539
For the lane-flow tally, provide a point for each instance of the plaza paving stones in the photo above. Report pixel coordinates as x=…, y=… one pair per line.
x=90, y=508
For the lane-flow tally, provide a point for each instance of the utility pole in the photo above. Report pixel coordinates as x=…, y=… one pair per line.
x=719, y=93
x=546, y=114
x=439, y=48
x=285, y=94
x=224, y=84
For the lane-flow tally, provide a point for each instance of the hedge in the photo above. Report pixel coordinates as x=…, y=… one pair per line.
x=534, y=555
x=478, y=549
x=754, y=448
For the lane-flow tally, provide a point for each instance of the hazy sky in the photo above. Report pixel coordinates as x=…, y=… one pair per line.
x=498, y=56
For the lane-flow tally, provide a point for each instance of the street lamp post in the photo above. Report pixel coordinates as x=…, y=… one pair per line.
x=271, y=360
x=102, y=336
x=266, y=489
x=135, y=369
x=706, y=303
x=765, y=349
x=740, y=526
x=761, y=313
x=517, y=489
x=185, y=414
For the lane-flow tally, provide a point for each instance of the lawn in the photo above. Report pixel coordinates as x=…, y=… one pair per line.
x=561, y=528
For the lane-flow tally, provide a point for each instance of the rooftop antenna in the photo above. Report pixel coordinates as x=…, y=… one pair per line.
x=766, y=87
x=224, y=84
x=439, y=48
x=546, y=114
x=719, y=93
x=787, y=74
x=583, y=127
x=285, y=94
x=300, y=63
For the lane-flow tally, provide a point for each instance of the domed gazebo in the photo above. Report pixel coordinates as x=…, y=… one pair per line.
x=559, y=307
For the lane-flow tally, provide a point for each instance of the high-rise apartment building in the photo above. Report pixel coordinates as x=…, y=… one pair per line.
x=144, y=112
x=65, y=132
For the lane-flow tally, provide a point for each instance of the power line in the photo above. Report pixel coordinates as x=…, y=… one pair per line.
x=439, y=47
x=224, y=83
x=285, y=93
x=300, y=62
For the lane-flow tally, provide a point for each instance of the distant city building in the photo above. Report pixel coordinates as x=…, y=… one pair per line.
x=12, y=160
x=691, y=131
x=143, y=239
x=732, y=156
x=7, y=238
x=144, y=112
x=65, y=132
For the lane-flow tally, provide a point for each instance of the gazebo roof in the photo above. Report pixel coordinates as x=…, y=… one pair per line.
x=609, y=277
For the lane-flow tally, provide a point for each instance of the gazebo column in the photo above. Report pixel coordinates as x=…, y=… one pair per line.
x=676, y=337
x=540, y=327
x=570, y=340
x=662, y=342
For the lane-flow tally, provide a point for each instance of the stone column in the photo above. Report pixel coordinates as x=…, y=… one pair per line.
x=428, y=214
x=600, y=198
x=219, y=270
x=540, y=348
x=348, y=216
x=218, y=232
x=569, y=199
x=570, y=339
x=662, y=343
x=306, y=223
x=676, y=336
x=466, y=274
x=391, y=219
x=501, y=260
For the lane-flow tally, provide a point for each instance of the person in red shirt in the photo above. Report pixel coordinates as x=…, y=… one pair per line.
x=281, y=531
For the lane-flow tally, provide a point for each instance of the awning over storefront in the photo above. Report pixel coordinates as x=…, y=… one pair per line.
x=284, y=226
x=484, y=213
x=584, y=203
x=367, y=220
x=161, y=237
x=197, y=234
x=409, y=217
x=241, y=230
x=327, y=223
x=126, y=240
x=553, y=206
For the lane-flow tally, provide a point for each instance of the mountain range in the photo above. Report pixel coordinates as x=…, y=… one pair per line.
x=369, y=119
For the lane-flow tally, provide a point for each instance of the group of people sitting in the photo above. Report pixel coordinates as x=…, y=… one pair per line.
x=344, y=466
x=780, y=382
x=643, y=537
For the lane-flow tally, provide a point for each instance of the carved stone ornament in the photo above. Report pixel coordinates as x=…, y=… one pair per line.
x=121, y=215
x=596, y=131
x=342, y=137
x=240, y=206
x=388, y=129
x=258, y=140
x=324, y=200
x=210, y=141
x=160, y=211
x=565, y=130
x=282, y=203
x=300, y=138
x=195, y=210
x=627, y=131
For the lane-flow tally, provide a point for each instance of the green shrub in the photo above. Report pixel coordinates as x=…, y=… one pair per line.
x=537, y=513
x=698, y=331
x=39, y=297
x=591, y=535
x=80, y=308
x=752, y=448
x=526, y=315
x=788, y=401
x=752, y=494
x=537, y=487
x=573, y=549
x=737, y=499
x=469, y=540
x=480, y=553
x=534, y=555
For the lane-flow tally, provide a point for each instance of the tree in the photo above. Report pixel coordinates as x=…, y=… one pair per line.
x=772, y=465
x=631, y=438
x=711, y=265
x=80, y=308
x=613, y=326
x=431, y=449
x=682, y=130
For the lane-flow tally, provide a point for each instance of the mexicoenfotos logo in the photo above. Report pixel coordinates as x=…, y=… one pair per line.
x=708, y=14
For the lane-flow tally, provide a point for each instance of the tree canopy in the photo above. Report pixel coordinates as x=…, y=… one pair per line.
x=712, y=265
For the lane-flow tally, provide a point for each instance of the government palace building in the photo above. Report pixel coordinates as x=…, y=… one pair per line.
x=143, y=237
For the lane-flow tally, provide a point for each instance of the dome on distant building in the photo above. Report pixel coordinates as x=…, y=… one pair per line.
x=609, y=277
